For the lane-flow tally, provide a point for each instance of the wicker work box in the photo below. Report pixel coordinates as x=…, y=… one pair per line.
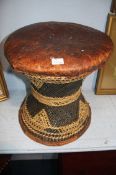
x=56, y=57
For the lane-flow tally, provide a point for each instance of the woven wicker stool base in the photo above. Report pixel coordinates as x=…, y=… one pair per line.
x=55, y=113
x=58, y=143
x=34, y=136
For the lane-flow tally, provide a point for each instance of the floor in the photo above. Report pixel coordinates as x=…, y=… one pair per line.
x=32, y=167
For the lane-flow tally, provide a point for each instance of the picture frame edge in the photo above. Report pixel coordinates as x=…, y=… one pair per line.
x=98, y=89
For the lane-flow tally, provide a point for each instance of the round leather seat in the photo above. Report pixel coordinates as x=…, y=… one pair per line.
x=83, y=49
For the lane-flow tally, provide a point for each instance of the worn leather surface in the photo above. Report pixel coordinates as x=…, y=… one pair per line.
x=31, y=48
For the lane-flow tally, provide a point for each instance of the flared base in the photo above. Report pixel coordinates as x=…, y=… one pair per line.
x=39, y=129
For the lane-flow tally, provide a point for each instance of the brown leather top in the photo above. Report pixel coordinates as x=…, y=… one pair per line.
x=34, y=47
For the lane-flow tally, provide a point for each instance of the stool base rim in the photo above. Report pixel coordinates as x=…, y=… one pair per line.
x=51, y=143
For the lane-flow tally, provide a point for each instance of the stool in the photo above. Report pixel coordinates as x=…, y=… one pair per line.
x=56, y=57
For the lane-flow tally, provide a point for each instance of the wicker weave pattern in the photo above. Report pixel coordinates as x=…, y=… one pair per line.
x=56, y=101
x=57, y=112
x=40, y=123
x=36, y=79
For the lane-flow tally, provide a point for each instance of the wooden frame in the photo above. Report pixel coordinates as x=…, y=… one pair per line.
x=3, y=87
x=106, y=78
x=113, y=6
